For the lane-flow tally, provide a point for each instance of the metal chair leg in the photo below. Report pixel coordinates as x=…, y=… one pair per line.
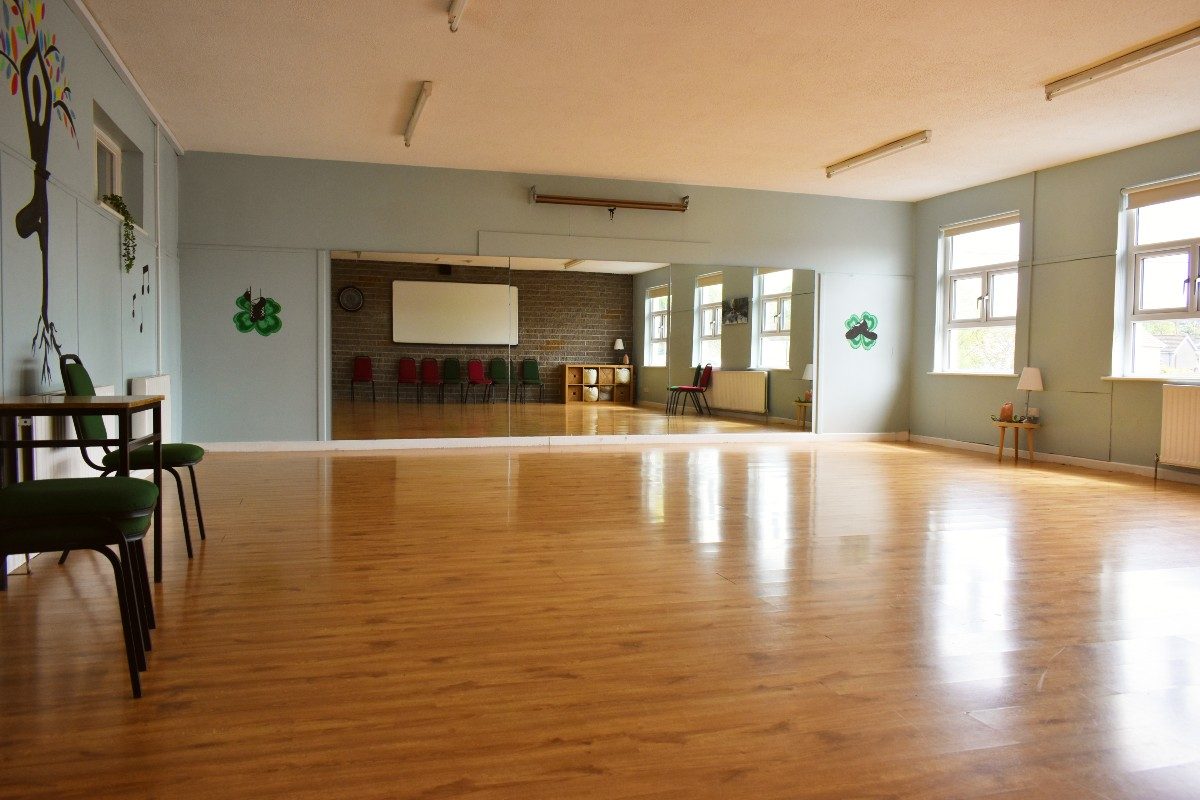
x=196, y=498
x=187, y=534
x=131, y=648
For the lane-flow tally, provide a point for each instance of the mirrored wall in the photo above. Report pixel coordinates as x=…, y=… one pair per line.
x=427, y=346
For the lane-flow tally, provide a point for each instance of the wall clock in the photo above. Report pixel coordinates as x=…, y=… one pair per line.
x=350, y=298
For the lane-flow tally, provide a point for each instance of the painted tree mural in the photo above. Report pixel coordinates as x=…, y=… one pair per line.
x=35, y=68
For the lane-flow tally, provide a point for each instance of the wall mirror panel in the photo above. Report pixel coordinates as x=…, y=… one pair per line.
x=476, y=346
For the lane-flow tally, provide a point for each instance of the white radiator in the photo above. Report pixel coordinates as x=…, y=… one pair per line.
x=1180, y=438
x=739, y=390
x=152, y=384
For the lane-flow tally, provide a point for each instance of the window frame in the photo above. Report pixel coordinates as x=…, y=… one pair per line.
x=761, y=334
x=716, y=308
x=653, y=293
x=108, y=143
x=1132, y=263
x=986, y=273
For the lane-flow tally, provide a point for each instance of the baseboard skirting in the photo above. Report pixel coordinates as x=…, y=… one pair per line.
x=797, y=437
x=1164, y=473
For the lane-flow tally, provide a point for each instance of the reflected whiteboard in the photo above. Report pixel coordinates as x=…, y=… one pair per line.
x=439, y=312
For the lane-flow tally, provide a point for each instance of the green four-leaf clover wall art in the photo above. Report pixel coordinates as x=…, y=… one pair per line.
x=260, y=315
x=860, y=330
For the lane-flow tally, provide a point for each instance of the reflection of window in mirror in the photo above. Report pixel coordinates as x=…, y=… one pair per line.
x=709, y=290
x=979, y=295
x=774, y=329
x=108, y=166
x=658, y=325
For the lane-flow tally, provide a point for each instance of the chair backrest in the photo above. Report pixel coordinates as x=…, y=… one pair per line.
x=363, y=369
x=406, y=370
x=77, y=382
x=451, y=370
x=696, y=376
x=475, y=370
x=530, y=371
x=498, y=369
x=706, y=377
x=429, y=371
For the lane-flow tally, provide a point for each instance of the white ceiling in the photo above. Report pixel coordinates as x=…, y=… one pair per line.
x=501, y=262
x=757, y=94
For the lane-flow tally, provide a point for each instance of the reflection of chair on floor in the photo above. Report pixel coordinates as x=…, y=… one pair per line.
x=696, y=392
x=430, y=376
x=499, y=373
x=532, y=376
x=90, y=514
x=364, y=372
x=475, y=377
x=674, y=393
x=452, y=376
x=406, y=375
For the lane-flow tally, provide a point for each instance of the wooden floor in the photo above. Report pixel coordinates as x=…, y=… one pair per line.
x=809, y=621
x=387, y=419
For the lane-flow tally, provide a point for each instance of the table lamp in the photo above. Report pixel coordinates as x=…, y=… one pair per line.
x=619, y=346
x=1030, y=381
x=808, y=375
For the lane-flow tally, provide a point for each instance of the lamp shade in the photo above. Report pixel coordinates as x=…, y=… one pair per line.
x=619, y=344
x=808, y=373
x=1031, y=380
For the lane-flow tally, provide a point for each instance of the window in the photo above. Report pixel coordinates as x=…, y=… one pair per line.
x=708, y=319
x=1162, y=330
x=658, y=325
x=979, y=295
x=774, y=327
x=108, y=166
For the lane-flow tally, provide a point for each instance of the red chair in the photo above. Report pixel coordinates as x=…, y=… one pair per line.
x=364, y=372
x=476, y=377
x=697, y=392
x=432, y=376
x=406, y=375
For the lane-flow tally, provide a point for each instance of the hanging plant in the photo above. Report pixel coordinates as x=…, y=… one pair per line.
x=128, y=239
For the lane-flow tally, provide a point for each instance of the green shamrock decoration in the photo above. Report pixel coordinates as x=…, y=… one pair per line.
x=260, y=315
x=860, y=331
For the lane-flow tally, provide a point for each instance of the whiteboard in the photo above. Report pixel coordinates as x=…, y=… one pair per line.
x=440, y=312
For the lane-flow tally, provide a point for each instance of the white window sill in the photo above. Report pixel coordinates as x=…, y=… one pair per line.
x=1150, y=379
x=112, y=212
x=975, y=374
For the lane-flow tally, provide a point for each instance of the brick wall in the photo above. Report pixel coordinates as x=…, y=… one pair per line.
x=564, y=317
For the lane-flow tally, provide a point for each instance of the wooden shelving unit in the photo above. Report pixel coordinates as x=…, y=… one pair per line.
x=606, y=382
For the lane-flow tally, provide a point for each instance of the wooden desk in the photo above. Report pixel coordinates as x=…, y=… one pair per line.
x=123, y=407
x=803, y=412
x=1017, y=427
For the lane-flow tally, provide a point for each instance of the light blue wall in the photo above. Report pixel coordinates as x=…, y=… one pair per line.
x=90, y=297
x=239, y=203
x=1068, y=274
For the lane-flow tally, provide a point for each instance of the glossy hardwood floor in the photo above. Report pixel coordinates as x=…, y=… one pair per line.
x=387, y=419
x=810, y=621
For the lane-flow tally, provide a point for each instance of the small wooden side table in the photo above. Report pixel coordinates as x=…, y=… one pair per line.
x=1017, y=427
x=803, y=414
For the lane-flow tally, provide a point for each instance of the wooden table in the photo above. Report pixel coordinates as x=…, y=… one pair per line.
x=1017, y=427
x=15, y=438
x=803, y=410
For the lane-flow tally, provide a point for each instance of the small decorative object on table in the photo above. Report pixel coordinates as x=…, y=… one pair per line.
x=1006, y=413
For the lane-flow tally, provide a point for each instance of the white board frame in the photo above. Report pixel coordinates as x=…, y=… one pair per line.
x=479, y=321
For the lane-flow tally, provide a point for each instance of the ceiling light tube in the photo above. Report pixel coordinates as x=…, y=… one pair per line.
x=457, y=7
x=1115, y=66
x=879, y=152
x=418, y=107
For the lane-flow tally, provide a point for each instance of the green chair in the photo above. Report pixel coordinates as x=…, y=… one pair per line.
x=452, y=375
x=499, y=373
x=531, y=376
x=77, y=381
x=92, y=514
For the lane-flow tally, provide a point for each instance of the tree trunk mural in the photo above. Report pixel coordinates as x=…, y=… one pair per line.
x=34, y=67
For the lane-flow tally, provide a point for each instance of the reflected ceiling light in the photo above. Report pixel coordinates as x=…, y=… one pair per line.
x=879, y=152
x=574, y=262
x=418, y=107
x=1115, y=66
x=457, y=7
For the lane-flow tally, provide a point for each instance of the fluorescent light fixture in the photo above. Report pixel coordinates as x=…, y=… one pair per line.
x=457, y=7
x=574, y=262
x=1115, y=66
x=878, y=153
x=418, y=107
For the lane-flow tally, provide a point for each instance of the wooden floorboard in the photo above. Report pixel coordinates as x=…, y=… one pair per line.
x=827, y=620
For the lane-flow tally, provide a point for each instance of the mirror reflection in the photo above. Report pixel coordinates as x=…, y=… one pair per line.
x=438, y=346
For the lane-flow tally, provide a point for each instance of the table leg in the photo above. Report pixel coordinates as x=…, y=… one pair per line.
x=1003, y=436
x=9, y=474
x=1029, y=443
x=25, y=434
x=156, y=414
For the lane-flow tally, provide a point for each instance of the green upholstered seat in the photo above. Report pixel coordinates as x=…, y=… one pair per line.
x=177, y=454
x=128, y=502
